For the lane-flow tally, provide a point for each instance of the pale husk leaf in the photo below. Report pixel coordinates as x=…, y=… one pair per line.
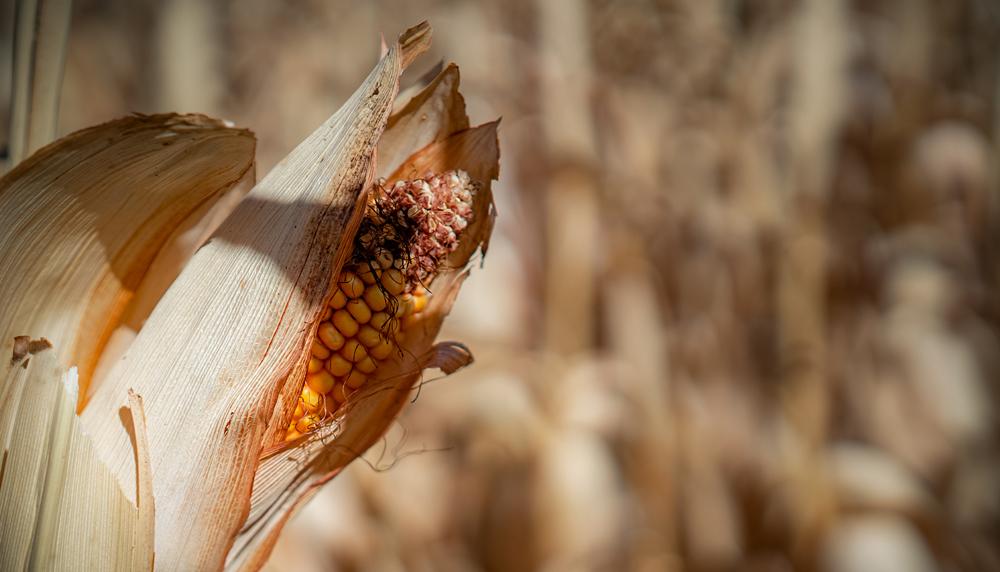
x=291, y=474
x=215, y=354
x=60, y=508
x=435, y=112
x=84, y=219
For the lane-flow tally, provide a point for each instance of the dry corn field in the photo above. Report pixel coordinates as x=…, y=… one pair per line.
x=740, y=309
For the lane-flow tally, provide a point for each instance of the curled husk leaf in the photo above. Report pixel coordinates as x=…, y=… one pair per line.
x=93, y=226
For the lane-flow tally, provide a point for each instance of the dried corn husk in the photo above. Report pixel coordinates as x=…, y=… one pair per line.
x=62, y=509
x=220, y=360
x=77, y=243
x=77, y=240
x=232, y=333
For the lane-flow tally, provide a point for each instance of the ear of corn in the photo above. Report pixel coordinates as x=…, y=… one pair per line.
x=212, y=359
x=409, y=229
x=291, y=471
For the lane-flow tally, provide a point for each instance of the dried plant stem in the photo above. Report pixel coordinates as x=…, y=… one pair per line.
x=187, y=57
x=572, y=192
x=815, y=116
x=40, y=38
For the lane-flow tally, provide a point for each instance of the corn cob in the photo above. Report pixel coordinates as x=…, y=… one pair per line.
x=409, y=229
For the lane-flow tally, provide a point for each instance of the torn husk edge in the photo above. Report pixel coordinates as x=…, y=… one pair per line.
x=217, y=350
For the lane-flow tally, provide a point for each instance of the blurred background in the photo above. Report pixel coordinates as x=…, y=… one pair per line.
x=740, y=311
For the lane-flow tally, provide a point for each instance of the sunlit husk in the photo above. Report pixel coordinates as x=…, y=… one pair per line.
x=60, y=508
x=290, y=474
x=84, y=219
x=216, y=352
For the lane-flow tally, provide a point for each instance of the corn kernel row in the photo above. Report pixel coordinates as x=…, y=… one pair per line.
x=360, y=329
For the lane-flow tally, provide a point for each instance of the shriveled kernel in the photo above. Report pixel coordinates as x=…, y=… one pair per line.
x=306, y=423
x=369, y=336
x=355, y=379
x=359, y=311
x=329, y=335
x=345, y=323
x=375, y=298
x=315, y=364
x=321, y=382
x=366, y=365
x=319, y=350
x=340, y=393
x=382, y=350
x=353, y=351
x=338, y=366
x=309, y=399
x=384, y=260
x=393, y=281
x=351, y=284
x=338, y=300
x=327, y=312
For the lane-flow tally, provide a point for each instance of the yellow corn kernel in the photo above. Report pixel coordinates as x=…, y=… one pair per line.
x=366, y=274
x=338, y=366
x=384, y=323
x=351, y=284
x=321, y=382
x=329, y=335
x=306, y=423
x=405, y=306
x=381, y=350
x=366, y=365
x=409, y=321
x=309, y=399
x=359, y=311
x=327, y=312
x=375, y=298
x=331, y=404
x=315, y=365
x=299, y=411
x=338, y=300
x=369, y=336
x=394, y=281
x=355, y=379
x=292, y=433
x=353, y=351
x=340, y=393
x=419, y=301
x=345, y=323
x=319, y=350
